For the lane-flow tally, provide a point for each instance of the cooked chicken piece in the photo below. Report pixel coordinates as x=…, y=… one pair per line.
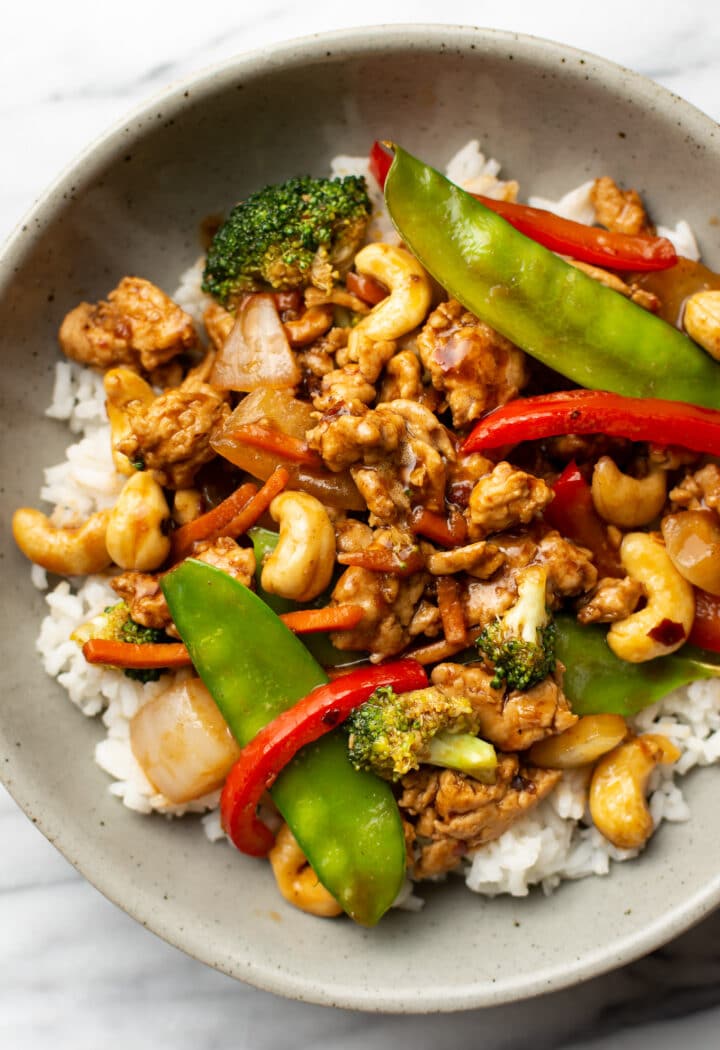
x=699, y=490
x=218, y=324
x=505, y=498
x=612, y=599
x=474, y=366
x=224, y=553
x=388, y=604
x=138, y=325
x=570, y=570
x=426, y=620
x=453, y=814
x=479, y=559
x=342, y=386
x=648, y=300
x=352, y=535
x=403, y=378
x=369, y=355
x=620, y=211
x=462, y=475
x=511, y=721
x=171, y=435
x=357, y=435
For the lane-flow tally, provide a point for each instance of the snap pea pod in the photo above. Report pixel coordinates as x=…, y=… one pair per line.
x=346, y=822
x=598, y=682
x=550, y=309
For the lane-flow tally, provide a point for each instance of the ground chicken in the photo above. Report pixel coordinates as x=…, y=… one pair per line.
x=480, y=560
x=570, y=570
x=512, y=721
x=611, y=599
x=388, y=603
x=137, y=325
x=451, y=814
x=619, y=210
x=171, y=435
x=474, y=366
x=218, y=324
x=369, y=355
x=699, y=490
x=403, y=378
x=342, y=386
x=505, y=498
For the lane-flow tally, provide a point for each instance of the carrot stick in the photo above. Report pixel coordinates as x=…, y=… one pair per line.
x=210, y=525
x=330, y=618
x=136, y=654
x=256, y=507
x=383, y=559
x=452, y=613
x=447, y=533
x=274, y=441
x=436, y=651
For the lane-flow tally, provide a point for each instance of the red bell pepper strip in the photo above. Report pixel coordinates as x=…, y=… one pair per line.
x=598, y=412
x=279, y=741
x=705, y=631
x=590, y=244
x=573, y=514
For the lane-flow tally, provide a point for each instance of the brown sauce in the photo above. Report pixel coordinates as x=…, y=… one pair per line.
x=675, y=286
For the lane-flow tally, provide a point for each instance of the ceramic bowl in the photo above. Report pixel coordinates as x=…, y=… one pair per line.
x=133, y=203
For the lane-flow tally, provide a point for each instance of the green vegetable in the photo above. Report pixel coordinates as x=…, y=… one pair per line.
x=598, y=682
x=115, y=624
x=550, y=309
x=346, y=822
x=391, y=734
x=280, y=236
x=521, y=643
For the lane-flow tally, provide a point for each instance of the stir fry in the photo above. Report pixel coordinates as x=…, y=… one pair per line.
x=412, y=529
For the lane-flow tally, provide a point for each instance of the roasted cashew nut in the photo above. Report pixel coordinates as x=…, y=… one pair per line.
x=66, y=551
x=187, y=505
x=122, y=386
x=626, y=501
x=617, y=800
x=665, y=622
x=580, y=745
x=301, y=565
x=137, y=530
x=296, y=880
x=410, y=292
x=701, y=320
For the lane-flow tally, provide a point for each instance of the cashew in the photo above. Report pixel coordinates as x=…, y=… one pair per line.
x=701, y=320
x=187, y=505
x=137, y=533
x=301, y=565
x=296, y=880
x=122, y=386
x=670, y=608
x=67, y=552
x=626, y=501
x=581, y=744
x=618, y=785
x=306, y=329
x=410, y=292
x=692, y=539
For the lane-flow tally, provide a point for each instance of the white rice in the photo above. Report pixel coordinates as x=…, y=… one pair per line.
x=554, y=842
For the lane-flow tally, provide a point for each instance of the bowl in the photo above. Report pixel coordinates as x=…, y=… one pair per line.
x=134, y=203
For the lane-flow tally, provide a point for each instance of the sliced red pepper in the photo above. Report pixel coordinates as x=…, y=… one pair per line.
x=573, y=514
x=705, y=631
x=590, y=244
x=598, y=412
x=278, y=742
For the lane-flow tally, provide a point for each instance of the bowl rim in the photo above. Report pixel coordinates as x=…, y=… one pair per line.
x=361, y=39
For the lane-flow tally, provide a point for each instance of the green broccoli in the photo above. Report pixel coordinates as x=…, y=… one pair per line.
x=300, y=232
x=391, y=734
x=116, y=624
x=521, y=643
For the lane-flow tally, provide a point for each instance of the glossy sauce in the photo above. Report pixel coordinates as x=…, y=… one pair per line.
x=675, y=286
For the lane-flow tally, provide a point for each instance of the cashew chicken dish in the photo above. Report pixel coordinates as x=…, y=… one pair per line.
x=391, y=541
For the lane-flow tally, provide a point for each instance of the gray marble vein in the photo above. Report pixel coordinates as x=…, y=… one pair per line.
x=78, y=974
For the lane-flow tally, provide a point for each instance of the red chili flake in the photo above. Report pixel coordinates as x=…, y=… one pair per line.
x=667, y=632
x=332, y=717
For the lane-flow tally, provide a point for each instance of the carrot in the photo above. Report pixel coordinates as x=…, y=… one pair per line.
x=330, y=618
x=447, y=533
x=437, y=651
x=277, y=443
x=136, y=654
x=452, y=613
x=256, y=507
x=210, y=525
x=383, y=559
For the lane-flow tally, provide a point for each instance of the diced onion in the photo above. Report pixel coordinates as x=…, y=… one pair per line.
x=257, y=352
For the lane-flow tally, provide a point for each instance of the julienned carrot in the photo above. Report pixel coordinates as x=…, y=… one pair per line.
x=274, y=441
x=452, y=613
x=402, y=562
x=136, y=654
x=330, y=618
x=210, y=525
x=256, y=507
x=450, y=532
x=437, y=651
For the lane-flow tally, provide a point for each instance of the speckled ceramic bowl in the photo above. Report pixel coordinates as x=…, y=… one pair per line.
x=133, y=204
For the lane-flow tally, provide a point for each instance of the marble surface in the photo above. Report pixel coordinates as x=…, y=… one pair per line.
x=77, y=972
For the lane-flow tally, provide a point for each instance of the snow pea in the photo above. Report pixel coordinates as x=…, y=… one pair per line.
x=346, y=822
x=598, y=682
x=550, y=309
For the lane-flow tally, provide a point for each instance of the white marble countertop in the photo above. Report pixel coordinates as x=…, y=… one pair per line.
x=68, y=71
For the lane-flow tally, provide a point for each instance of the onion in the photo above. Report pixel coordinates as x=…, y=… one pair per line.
x=281, y=411
x=182, y=742
x=256, y=353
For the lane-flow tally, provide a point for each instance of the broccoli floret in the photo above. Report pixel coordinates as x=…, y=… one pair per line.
x=391, y=734
x=521, y=643
x=300, y=232
x=116, y=624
